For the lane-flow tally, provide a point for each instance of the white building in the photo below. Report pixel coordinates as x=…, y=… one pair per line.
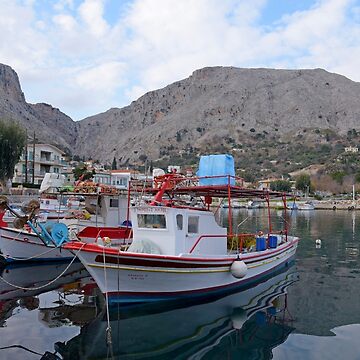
x=47, y=159
x=102, y=177
x=120, y=178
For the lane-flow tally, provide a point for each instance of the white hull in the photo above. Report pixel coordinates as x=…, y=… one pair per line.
x=135, y=277
x=22, y=245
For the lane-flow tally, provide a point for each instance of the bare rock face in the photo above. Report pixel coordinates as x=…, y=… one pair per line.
x=217, y=103
x=49, y=124
x=9, y=85
x=216, y=109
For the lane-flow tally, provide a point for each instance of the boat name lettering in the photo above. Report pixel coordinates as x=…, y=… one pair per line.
x=137, y=276
x=152, y=210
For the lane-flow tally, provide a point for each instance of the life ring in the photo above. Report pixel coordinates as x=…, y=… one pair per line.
x=334, y=208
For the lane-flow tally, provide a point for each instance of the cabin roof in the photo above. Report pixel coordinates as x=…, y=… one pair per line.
x=220, y=191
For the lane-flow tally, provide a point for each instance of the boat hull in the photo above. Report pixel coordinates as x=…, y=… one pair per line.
x=132, y=277
x=17, y=245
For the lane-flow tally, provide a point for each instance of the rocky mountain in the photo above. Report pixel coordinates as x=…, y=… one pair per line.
x=269, y=119
x=222, y=109
x=50, y=124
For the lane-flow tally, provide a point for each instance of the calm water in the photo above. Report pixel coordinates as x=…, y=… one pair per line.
x=311, y=311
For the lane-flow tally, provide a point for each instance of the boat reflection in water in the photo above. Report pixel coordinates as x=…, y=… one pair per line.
x=249, y=323
x=31, y=279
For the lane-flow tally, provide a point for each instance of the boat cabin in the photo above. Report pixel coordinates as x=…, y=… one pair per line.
x=175, y=231
x=109, y=210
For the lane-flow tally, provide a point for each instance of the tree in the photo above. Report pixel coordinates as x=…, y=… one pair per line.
x=280, y=185
x=114, y=164
x=338, y=176
x=82, y=173
x=357, y=177
x=303, y=182
x=12, y=142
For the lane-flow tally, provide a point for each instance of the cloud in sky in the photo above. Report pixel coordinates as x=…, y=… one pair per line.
x=85, y=56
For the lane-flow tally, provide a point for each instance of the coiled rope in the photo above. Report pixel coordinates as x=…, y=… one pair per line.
x=50, y=282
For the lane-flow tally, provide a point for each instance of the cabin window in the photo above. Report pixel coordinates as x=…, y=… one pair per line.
x=114, y=203
x=151, y=221
x=193, y=224
x=179, y=221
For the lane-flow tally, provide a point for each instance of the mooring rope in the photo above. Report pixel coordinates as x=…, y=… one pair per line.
x=108, y=329
x=50, y=282
x=31, y=257
x=20, y=347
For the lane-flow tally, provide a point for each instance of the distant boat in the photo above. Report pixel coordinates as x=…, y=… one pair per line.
x=308, y=205
x=234, y=205
x=251, y=204
x=292, y=206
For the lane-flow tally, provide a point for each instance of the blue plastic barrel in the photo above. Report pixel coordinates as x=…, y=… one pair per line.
x=260, y=243
x=272, y=241
x=260, y=318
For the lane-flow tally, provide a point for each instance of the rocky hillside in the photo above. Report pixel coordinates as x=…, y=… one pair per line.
x=270, y=120
x=50, y=124
x=225, y=109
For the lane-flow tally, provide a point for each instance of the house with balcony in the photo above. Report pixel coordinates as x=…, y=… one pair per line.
x=33, y=165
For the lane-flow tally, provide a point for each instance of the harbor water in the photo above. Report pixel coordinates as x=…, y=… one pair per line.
x=310, y=310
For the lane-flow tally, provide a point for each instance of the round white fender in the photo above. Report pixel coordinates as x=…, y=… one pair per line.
x=238, y=318
x=238, y=269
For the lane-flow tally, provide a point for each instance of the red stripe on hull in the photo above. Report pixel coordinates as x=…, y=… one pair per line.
x=172, y=264
x=94, y=248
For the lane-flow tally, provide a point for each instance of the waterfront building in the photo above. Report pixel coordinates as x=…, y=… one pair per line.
x=33, y=165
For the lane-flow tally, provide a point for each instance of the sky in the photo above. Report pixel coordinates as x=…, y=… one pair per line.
x=86, y=56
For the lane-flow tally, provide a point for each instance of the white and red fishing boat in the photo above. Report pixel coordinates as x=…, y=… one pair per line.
x=37, y=241
x=179, y=250
x=22, y=244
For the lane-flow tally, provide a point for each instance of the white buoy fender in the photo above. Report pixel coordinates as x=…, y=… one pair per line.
x=238, y=318
x=238, y=269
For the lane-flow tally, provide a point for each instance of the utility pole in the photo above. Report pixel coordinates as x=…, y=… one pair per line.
x=33, y=163
x=26, y=157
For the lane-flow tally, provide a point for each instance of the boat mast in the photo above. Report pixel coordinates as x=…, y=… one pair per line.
x=229, y=211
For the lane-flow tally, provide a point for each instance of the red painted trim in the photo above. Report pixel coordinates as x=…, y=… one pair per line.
x=22, y=240
x=202, y=237
x=25, y=236
x=152, y=263
x=119, y=260
x=112, y=232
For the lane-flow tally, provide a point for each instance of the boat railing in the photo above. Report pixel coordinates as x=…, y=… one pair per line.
x=240, y=242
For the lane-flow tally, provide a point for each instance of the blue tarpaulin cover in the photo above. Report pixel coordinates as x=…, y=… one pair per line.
x=215, y=165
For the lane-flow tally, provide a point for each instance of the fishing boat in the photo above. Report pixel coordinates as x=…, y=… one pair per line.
x=307, y=205
x=251, y=204
x=180, y=251
x=32, y=240
x=234, y=205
